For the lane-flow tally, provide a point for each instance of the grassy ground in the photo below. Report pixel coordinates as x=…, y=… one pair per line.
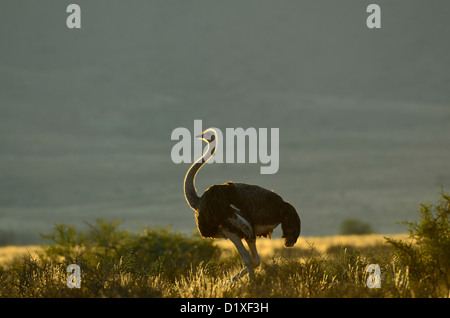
x=267, y=248
x=157, y=262
x=316, y=267
x=9, y=253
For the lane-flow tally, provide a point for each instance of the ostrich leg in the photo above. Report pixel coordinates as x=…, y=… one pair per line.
x=255, y=261
x=254, y=253
x=245, y=255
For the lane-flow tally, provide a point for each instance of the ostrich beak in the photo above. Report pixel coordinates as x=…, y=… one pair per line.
x=199, y=137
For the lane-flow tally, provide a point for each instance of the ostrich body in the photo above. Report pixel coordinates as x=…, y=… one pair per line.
x=237, y=211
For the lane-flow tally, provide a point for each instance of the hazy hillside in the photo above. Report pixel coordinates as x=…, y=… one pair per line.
x=86, y=115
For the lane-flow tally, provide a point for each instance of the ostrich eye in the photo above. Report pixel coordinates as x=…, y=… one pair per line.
x=213, y=137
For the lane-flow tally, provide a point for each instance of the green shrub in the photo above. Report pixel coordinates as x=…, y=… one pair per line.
x=427, y=256
x=151, y=248
x=163, y=251
x=352, y=226
x=113, y=262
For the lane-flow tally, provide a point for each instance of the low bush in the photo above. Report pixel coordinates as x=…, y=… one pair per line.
x=353, y=226
x=113, y=262
x=426, y=257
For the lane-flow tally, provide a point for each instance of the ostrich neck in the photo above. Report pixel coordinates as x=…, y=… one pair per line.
x=190, y=192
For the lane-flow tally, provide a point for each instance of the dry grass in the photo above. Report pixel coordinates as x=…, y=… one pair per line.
x=9, y=253
x=269, y=247
x=266, y=247
x=157, y=262
x=333, y=266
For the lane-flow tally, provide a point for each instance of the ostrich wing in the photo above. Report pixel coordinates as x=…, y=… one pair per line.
x=257, y=205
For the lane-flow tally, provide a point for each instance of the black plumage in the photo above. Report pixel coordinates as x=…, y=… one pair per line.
x=259, y=206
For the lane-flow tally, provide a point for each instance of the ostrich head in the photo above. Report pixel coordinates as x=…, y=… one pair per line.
x=290, y=225
x=209, y=135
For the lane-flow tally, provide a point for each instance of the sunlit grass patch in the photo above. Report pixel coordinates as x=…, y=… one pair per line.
x=158, y=262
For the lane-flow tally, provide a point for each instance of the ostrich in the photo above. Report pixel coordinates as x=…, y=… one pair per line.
x=237, y=211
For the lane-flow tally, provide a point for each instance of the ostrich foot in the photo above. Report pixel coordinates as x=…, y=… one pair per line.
x=245, y=271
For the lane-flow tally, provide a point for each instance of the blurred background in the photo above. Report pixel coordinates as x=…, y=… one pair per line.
x=86, y=115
